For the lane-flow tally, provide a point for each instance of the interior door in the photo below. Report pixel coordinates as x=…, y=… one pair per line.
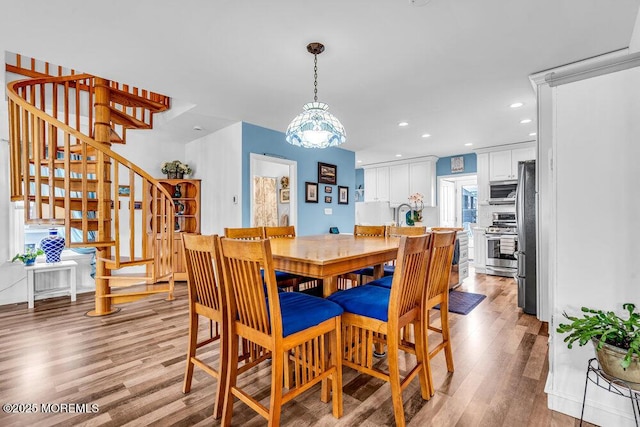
x=447, y=201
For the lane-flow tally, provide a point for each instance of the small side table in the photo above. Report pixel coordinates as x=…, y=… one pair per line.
x=35, y=269
x=612, y=385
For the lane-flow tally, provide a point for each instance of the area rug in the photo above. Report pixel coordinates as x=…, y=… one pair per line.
x=463, y=302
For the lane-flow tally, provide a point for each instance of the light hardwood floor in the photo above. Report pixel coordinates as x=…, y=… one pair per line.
x=131, y=365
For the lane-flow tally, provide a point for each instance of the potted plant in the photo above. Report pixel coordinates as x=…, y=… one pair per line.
x=414, y=216
x=29, y=257
x=175, y=169
x=616, y=340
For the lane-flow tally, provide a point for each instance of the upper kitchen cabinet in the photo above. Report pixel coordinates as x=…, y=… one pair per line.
x=395, y=181
x=503, y=164
x=376, y=184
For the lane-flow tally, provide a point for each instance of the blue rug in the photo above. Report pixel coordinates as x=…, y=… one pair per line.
x=463, y=302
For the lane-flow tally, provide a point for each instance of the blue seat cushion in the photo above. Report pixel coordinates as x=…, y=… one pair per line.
x=384, y=282
x=368, y=271
x=367, y=300
x=301, y=311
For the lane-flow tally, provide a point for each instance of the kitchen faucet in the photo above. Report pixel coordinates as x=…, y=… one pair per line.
x=398, y=213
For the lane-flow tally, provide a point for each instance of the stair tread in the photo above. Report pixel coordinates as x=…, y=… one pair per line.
x=130, y=100
x=122, y=118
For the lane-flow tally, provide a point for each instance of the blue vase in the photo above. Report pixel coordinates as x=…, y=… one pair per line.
x=52, y=246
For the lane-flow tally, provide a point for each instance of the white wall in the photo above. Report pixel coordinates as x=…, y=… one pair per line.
x=634, y=44
x=217, y=160
x=597, y=199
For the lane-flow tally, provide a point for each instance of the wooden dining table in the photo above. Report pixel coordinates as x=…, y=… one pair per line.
x=327, y=256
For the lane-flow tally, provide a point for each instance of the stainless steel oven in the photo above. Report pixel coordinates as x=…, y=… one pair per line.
x=502, y=245
x=501, y=249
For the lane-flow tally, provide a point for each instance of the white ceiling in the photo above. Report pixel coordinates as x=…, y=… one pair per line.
x=450, y=68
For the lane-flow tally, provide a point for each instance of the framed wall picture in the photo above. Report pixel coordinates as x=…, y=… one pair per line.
x=311, y=192
x=124, y=190
x=328, y=199
x=328, y=189
x=284, y=195
x=327, y=174
x=343, y=195
x=457, y=164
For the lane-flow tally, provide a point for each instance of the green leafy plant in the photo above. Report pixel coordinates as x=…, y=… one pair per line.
x=606, y=327
x=29, y=255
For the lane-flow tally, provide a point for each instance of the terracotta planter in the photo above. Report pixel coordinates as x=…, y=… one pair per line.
x=609, y=358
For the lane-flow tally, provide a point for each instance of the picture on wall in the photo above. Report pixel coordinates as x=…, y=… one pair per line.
x=327, y=199
x=343, y=195
x=328, y=189
x=124, y=190
x=284, y=195
x=457, y=164
x=327, y=174
x=311, y=192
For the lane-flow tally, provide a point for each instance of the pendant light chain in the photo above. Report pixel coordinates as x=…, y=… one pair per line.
x=315, y=78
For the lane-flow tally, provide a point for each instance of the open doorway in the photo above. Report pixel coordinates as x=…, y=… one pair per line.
x=458, y=200
x=273, y=200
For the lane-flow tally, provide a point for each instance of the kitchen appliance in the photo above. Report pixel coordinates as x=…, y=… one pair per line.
x=526, y=224
x=502, y=244
x=502, y=192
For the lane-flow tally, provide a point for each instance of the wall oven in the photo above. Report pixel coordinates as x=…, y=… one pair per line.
x=502, y=245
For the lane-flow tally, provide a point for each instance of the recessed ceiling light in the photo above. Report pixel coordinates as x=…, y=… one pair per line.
x=468, y=144
x=426, y=135
x=403, y=124
x=525, y=121
x=516, y=105
x=398, y=155
x=196, y=127
x=532, y=134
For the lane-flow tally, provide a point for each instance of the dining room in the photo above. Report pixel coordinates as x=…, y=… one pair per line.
x=136, y=376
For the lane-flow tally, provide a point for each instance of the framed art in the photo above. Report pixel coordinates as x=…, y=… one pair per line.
x=328, y=189
x=285, y=195
x=343, y=195
x=327, y=199
x=327, y=174
x=311, y=192
x=124, y=190
x=457, y=164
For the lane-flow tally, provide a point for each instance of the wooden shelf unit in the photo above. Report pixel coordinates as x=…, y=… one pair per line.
x=186, y=220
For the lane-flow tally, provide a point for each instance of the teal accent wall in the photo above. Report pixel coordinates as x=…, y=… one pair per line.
x=443, y=165
x=311, y=217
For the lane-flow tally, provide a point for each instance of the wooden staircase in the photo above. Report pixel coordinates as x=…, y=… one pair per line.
x=62, y=125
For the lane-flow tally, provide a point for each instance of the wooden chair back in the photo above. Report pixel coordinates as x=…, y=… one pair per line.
x=245, y=233
x=245, y=290
x=443, y=243
x=278, y=232
x=409, y=278
x=369, y=230
x=405, y=231
x=203, y=272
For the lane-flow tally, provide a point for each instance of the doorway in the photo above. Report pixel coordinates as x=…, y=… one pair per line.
x=273, y=191
x=458, y=200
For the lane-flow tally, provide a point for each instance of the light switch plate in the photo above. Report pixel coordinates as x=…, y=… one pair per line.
x=328, y=211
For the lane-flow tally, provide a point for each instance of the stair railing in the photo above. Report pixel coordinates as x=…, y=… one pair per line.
x=50, y=120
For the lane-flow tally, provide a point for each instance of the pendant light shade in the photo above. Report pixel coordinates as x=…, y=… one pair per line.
x=315, y=127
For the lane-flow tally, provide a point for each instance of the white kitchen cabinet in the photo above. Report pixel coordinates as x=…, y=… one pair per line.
x=480, y=249
x=422, y=179
x=503, y=165
x=398, y=184
x=483, y=178
x=376, y=184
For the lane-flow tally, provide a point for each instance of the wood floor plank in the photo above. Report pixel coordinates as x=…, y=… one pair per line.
x=131, y=365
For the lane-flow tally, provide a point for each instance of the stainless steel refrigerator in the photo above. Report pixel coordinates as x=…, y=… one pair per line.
x=526, y=223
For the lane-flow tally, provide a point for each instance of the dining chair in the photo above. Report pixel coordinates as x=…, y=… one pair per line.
x=203, y=267
x=437, y=293
x=286, y=281
x=373, y=311
x=454, y=277
x=291, y=326
x=308, y=285
x=355, y=278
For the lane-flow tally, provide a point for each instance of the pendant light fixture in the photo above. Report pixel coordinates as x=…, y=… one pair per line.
x=315, y=127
